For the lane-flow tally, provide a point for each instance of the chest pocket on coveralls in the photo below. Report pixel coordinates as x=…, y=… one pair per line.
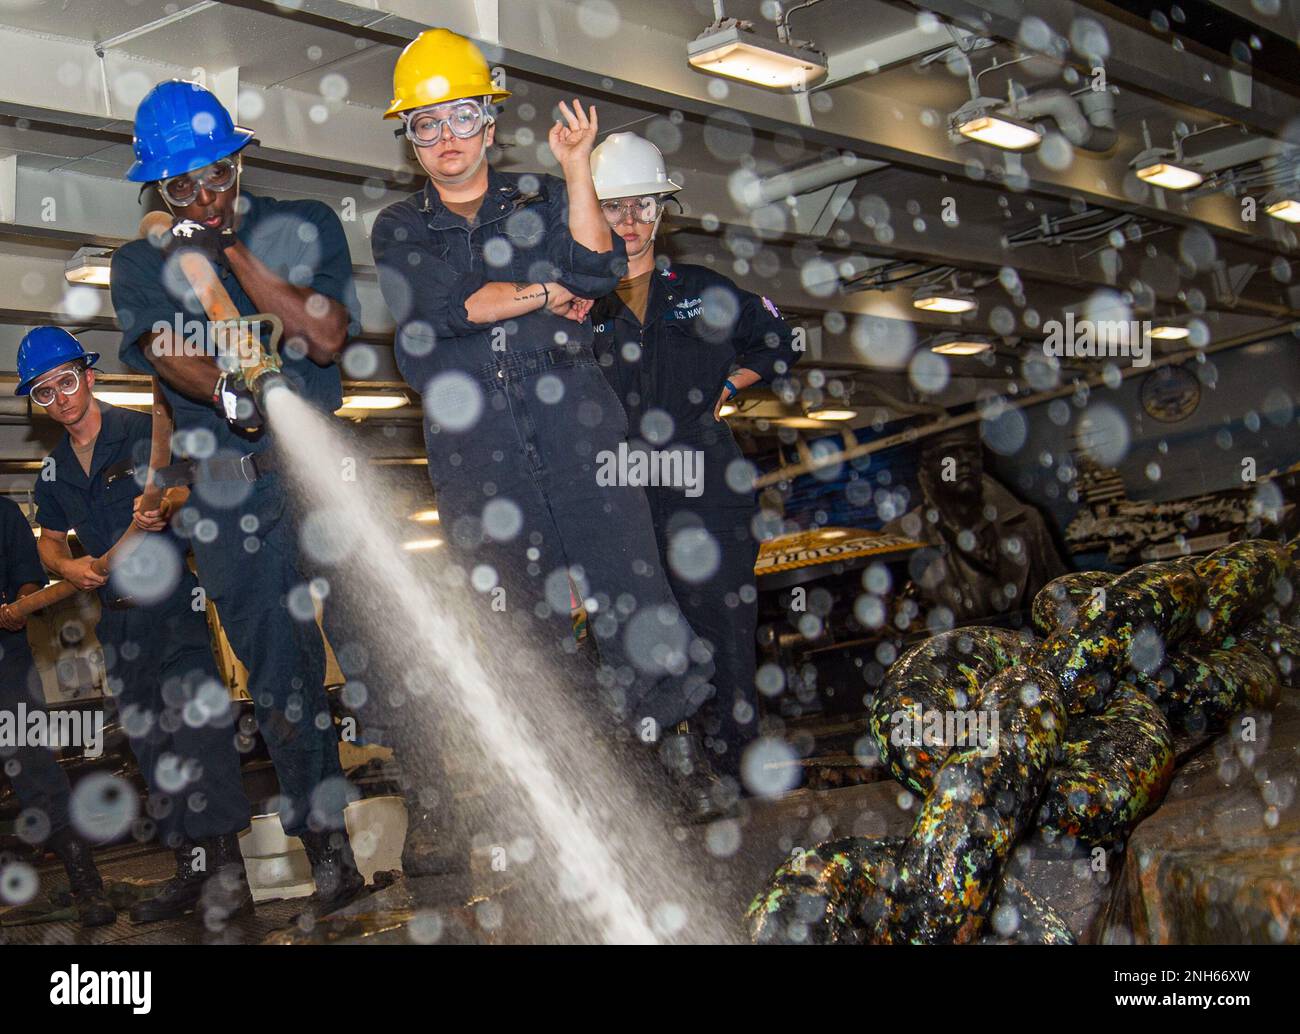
x=119, y=489
x=523, y=236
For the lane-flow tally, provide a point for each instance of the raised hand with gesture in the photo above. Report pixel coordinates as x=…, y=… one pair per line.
x=573, y=139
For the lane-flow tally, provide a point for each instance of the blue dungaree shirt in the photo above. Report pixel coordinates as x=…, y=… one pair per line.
x=668, y=372
x=157, y=652
x=517, y=417
x=243, y=535
x=39, y=782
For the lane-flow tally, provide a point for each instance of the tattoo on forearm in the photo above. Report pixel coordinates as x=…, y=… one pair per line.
x=521, y=296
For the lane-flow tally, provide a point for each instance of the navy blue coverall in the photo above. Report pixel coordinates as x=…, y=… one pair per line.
x=39, y=782
x=243, y=534
x=174, y=706
x=668, y=372
x=517, y=421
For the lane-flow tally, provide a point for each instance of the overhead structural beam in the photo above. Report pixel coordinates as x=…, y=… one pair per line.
x=550, y=38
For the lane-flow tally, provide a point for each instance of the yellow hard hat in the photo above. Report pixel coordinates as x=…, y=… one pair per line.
x=439, y=66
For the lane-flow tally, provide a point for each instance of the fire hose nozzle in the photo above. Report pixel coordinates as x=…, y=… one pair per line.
x=260, y=367
x=262, y=382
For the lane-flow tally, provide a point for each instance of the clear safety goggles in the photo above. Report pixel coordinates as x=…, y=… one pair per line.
x=47, y=391
x=464, y=118
x=642, y=209
x=218, y=177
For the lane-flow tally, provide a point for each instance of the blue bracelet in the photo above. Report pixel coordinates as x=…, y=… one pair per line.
x=731, y=388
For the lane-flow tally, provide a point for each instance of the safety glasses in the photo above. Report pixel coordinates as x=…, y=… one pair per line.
x=464, y=118
x=218, y=177
x=47, y=391
x=642, y=209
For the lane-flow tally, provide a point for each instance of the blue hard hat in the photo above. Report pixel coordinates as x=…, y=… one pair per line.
x=44, y=349
x=180, y=127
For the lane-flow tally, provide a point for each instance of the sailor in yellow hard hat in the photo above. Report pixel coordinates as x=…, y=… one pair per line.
x=490, y=277
x=442, y=79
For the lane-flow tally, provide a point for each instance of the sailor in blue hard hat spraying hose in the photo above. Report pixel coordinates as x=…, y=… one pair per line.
x=289, y=259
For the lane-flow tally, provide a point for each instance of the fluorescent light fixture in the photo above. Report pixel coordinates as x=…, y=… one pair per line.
x=416, y=545
x=425, y=516
x=1288, y=210
x=1001, y=131
x=727, y=409
x=124, y=397
x=740, y=54
x=375, y=401
x=1169, y=175
x=89, y=266
x=961, y=347
x=1165, y=332
x=832, y=414
x=934, y=300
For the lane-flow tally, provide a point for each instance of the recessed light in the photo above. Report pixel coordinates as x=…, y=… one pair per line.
x=1001, y=131
x=961, y=347
x=89, y=266
x=1287, y=210
x=124, y=398
x=832, y=414
x=374, y=401
x=1170, y=176
x=933, y=300
x=741, y=54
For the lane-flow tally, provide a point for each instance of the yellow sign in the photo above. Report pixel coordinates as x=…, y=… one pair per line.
x=825, y=546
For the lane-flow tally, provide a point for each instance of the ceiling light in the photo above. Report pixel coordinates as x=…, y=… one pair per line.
x=954, y=347
x=828, y=413
x=1152, y=166
x=1169, y=333
x=935, y=300
x=425, y=516
x=800, y=422
x=420, y=544
x=89, y=266
x=738, y=53
x=375, y=401
x=1000, y=130
x=1288, y=210
x=125, y=398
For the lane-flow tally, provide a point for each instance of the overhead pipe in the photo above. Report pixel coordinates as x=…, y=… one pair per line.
x=1086, y=120
x=781, y=185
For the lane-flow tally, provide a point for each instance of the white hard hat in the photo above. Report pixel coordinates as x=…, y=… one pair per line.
x=626, y=165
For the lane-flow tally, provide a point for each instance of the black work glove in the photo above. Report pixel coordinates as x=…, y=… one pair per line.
x=188, y=235
x=236, y=403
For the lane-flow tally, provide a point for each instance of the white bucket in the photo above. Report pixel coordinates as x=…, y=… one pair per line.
x=278, y=866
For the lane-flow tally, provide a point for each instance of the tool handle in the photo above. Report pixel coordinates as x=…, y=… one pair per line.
x=169, y=501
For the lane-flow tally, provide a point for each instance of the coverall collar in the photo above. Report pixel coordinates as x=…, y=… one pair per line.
x=665, y=288
x=502, y=197
x=111, y=433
